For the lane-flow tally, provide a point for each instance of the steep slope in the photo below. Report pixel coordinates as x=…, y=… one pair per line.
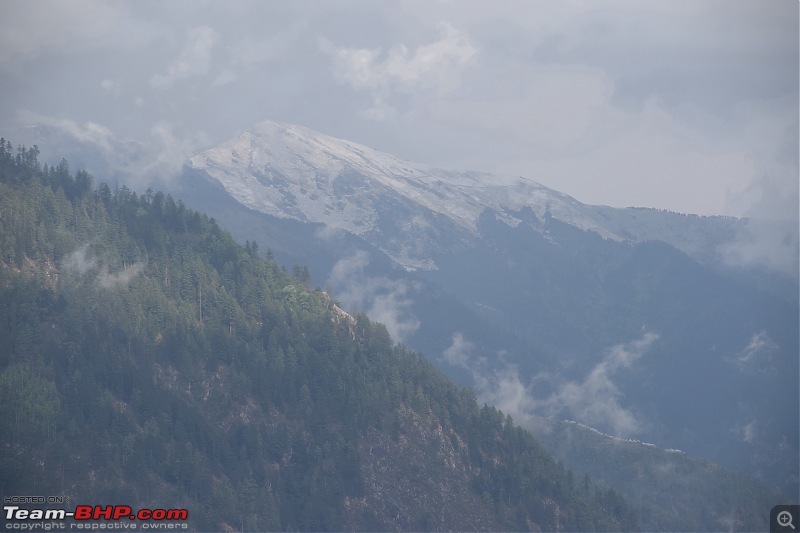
x=671, y=490
x=518, y=285
x=148, y=360
x=711, y=363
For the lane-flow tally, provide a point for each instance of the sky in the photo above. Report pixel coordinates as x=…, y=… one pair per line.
x=690, y=106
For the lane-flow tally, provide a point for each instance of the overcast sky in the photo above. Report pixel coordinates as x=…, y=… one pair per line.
x=690, y=106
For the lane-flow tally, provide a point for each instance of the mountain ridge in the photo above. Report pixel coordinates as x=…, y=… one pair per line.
x=545, y=299
x=294, y=172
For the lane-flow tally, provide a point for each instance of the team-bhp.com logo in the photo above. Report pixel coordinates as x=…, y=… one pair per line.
x=93, y=517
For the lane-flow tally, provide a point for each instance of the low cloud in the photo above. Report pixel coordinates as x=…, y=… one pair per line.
x=748, y=432
x=89, y=133
x=595, y=401
x=328, y=233
x=81, y=264
x=769, y=239
x=167, y=153
x=123, y=277
x=759, y=348
x=158, y=158
x=459, y=353
x=382, y=299
x=498, y=385
x=435, y=66
x=771, y=200
x=763, y=243
x=756, y=356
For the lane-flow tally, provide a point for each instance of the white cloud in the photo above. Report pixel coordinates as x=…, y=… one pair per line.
x=392, y=307
x=382, y=299
x=771, y=199
x=167, y=153
x=459, y=352
x=90, y=133
x=765, y=243
x=81, y=263
x=194, y=60
x=757, y=355
x=595, y=401
x=748, y=432
x=159, y=158
x=495, y=384
x=435, y=66
x=505, y=390
x=328, y=233
x=347, y=267
x=123, y=277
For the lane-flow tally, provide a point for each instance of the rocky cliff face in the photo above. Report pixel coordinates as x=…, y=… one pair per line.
x=419, y=474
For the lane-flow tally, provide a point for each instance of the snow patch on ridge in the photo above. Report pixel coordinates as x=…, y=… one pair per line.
x=620, y=439
x=291, y=171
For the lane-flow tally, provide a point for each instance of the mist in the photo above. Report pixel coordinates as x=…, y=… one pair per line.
x=595, y=401
x=382, y=299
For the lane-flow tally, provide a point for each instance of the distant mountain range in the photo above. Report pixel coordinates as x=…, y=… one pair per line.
x=626, y=320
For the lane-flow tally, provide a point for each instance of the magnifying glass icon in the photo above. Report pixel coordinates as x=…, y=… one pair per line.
x=785, y=519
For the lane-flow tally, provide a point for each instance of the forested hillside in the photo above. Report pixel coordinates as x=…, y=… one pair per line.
x=672, y=491
x=146, y=359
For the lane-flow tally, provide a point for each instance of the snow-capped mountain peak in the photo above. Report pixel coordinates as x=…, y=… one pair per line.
x=400, y=206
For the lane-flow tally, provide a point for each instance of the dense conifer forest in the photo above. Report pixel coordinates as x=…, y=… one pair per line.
x=147, y=359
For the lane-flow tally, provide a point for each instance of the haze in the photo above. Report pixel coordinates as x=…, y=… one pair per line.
x=686, y=106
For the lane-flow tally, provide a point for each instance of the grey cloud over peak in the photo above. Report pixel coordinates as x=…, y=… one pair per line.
x=435, y=66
